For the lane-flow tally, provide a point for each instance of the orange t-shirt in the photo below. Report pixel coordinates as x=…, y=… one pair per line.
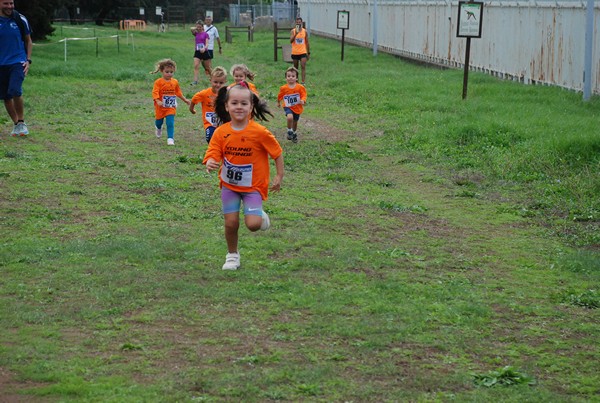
x=291, y=97
x=207, y=99
x=299, y=44
x=245, y=157
x=167, y=92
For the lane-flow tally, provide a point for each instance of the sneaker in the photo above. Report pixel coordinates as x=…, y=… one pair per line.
x=266, y=222
x=294, y=137
x=194, y=83
x=158, y=132
x=21, y=129
x=232, y=261
x=14, y=131
x=290, y=134
x=170, y=142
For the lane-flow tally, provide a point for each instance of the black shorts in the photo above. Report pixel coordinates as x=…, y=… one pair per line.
x=299, y=57
x=202, y=55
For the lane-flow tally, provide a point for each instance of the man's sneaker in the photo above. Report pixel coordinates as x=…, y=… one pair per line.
x=232, y=261
x=294, y=137
x=170, y=142
x=158, y=132
x=266, y=222
x=290, y=134
x=21, y=129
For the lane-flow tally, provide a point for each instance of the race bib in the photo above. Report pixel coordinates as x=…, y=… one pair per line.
x=237, y=175
x=291, y=100
x=212, y=118
x=169, y=101
x=199, y=46
x=299, y=41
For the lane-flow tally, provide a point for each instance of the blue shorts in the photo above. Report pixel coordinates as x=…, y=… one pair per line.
x=210, y=130
x=232, y=202
x=288, y=111
x=11, y=81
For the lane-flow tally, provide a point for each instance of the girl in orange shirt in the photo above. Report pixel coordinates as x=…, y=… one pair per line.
x=240, y=150
x=165, y=92
x=241, y=72
x=207, y=98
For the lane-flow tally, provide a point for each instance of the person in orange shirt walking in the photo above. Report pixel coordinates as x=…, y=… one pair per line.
x=207, y=97
x=300, y=47
x=240, y=149
x=165, y=92
x=293, y=96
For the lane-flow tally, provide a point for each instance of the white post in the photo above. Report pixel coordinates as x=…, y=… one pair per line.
x=589, y=46
x=65, y=49
x=375, y=25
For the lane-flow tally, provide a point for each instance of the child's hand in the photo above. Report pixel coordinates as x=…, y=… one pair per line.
x=192, y=109
x=159, y=103
x=211, y=165
x=275, y=184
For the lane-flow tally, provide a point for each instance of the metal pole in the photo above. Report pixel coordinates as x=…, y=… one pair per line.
x=589, y=46
x=343, y=32
x=466, y=73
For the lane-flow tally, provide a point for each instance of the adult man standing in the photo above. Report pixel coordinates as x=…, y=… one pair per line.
x=15, y=60
x=213, y=33
x=300, y=47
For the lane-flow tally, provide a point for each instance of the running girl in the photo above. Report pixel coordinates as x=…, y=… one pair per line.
x=165, y=92
x=243, y=147
x=241, y=72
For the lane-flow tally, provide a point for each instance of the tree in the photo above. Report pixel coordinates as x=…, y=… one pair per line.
x=39, y=14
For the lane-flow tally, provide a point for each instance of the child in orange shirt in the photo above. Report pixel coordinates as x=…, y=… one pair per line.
x=243, y=147
x=165, y=92
x=293, y=96
x=241, y=72
x=207, y=98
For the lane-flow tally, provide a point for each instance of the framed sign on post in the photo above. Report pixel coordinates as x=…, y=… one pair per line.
x=470, y=15
x=343, y=20
x=343, y=23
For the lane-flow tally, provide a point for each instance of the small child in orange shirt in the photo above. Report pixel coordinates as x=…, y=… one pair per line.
x=207, y=98
x=165, y=92
x=240, y=150
x=241, y=72
x=293, y=96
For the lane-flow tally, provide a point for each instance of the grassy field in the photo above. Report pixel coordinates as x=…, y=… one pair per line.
x=423, y=248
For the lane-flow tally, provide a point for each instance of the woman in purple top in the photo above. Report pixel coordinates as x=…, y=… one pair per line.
x=201, y=50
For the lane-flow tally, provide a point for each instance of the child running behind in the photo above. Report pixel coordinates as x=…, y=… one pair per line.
x=165, y=92
x=243, y=147
x=207, y=98
x=293, y=96
x=241, y=72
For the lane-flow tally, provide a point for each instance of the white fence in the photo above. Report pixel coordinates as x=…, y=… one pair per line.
x=529, y=41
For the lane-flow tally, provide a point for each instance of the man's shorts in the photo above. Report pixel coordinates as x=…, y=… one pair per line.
x=11, y=81
x=201, y=55
x=299, y=57
x=288, y=111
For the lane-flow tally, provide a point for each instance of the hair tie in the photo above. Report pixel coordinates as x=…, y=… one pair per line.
x=243, y=84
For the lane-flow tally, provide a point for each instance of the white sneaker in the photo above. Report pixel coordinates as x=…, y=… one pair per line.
x=14, y=131
x=170, y=142
x=158, y=132
x=21, y=129
x=266, y=222
x=232, y=261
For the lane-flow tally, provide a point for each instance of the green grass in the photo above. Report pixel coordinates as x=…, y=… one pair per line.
x=423, y=247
